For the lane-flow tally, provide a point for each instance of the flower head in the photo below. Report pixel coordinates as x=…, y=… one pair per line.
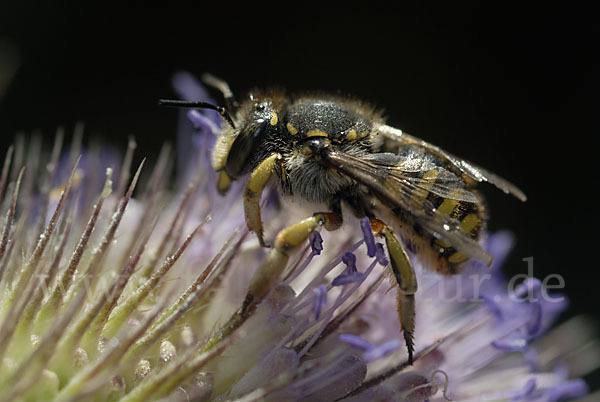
x=114, y=290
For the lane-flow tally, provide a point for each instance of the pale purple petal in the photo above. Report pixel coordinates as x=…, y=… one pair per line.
x=202, y=123
x=189, y=88
x=381, y=350
x=534, y=324
x=369, y=238
x=493, y=305
x=529, y=286
x=319, y=300
x=356, y=341
x=510, y=345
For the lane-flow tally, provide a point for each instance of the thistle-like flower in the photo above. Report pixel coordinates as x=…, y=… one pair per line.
x=120, y=285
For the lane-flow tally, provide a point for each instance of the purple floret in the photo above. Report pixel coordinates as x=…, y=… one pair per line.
x=316, y=243
x=369, y=238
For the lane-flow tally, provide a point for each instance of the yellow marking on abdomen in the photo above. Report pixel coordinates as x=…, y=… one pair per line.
x=316, y=133
x=469, y=222
x=291, y=129
x=274, y=119
x=447, y=206
x=420, y=193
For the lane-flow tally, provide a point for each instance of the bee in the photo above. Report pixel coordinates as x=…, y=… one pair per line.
x=335, y=150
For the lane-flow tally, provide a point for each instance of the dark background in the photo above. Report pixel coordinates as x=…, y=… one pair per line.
x=512, y=89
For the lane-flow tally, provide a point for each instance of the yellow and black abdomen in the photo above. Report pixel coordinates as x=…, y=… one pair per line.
x=433, y=252
x=471, y=220
x=434, y=178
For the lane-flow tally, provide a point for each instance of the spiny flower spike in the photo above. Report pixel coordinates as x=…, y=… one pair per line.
x=157, y=291
x=10, y=216
x=5, y=168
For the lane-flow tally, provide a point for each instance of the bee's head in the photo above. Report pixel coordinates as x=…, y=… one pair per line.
x=248, y=125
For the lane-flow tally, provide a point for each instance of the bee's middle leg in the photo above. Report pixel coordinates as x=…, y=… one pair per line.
x=269, y=271
x=404, y=274
x=252, y=192
x=286, y=241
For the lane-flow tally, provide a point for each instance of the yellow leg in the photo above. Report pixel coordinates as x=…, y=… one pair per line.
x=286, y=241
x=404, y=274
x=223, y=182
x=271, y=268
x=254, y=188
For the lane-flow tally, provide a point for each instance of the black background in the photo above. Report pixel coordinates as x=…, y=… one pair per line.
x=511, y=88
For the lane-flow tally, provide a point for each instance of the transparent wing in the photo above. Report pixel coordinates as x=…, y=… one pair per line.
x=445, y=184
x=473, y=171
x=400, y=190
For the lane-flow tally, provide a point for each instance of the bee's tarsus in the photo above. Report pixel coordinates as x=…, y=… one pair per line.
x=410, y=346
x=261, y=241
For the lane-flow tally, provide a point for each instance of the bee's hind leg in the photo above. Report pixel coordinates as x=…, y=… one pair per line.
x=404, y=274
x=252, y=192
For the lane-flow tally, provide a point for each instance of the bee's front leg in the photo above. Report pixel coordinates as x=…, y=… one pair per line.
x=404, y=274
x=252, y=192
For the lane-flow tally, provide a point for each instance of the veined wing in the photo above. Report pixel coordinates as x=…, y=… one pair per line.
x=473, y=171
x=406, y=192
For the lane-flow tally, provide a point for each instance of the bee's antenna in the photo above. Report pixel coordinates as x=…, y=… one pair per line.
x=223, y=87
x=200, y=105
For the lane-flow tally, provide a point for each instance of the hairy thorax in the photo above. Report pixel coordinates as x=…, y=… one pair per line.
x=310, y=180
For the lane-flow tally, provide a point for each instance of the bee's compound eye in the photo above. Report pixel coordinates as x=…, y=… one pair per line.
x=260, y=107
x=242, y=148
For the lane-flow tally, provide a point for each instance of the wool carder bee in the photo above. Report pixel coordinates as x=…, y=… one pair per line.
x=336, y=150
